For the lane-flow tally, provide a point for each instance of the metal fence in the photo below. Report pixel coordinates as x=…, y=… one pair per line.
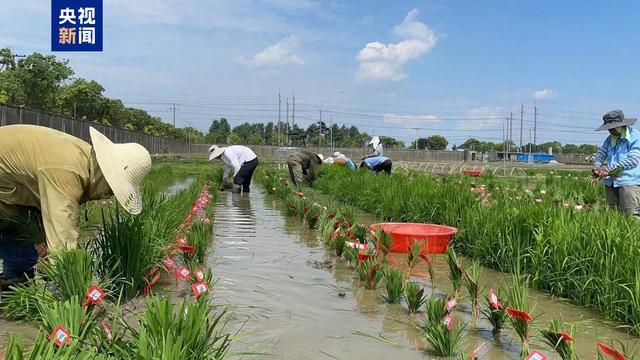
x=10, y=115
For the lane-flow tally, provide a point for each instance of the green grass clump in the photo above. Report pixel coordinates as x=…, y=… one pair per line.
x=370, y=273
x=559, y=340
x=394, y=283
x=414, y=296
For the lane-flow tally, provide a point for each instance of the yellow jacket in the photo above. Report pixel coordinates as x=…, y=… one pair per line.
x=52, y=171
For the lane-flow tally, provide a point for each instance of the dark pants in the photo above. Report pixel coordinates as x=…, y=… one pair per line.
x=244, y=175
x=383, y=166
x=18, y=256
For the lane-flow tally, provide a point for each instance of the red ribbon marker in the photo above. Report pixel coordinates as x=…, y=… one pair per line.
x=610, y=352
x=60, y=336
x=199, y=289
x=566, y=337
x=94, y=295
x=169, y=263
x=199, y=275
x=493, y=300
x=187, y=249
x=522, y=315
x=362, y=257
x=448, y=321
x=536, y=355
x=451, y=304
x=426, y=258
x=107, y=330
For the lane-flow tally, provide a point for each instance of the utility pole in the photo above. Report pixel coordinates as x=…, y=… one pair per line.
x=320, y=131
x=293, y=114
x=287, y=131
x=416, y=129
x=521, y=124
x=173, y=108
x=331, y=130
x=535, y=123
x=505, y=133
x=279, y=119
x=510, y=132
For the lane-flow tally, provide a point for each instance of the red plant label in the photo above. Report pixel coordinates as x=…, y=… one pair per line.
x=451, y=304
x=60, y=336
x=362, y=257
x=493, y=300
x=356, y=245
x=95, y=295
x=107, y=330
x=536, y=355
x=610, y=352
x=199, y=275
x=183, y=273
x=199, y=289
x=187, y=249
x=522, y=315
x=448, y=321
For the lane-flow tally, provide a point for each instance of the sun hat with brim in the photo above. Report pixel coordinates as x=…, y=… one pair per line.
x=336, y=154
x=614, y=119
x=215, y=151
x=124, y=166
x=374, y=141
x=320, y=156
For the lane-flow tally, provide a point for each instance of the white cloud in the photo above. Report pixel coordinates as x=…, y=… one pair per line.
x=484, y=117
x=389, y=118
x=281, y=53
x=380, y=61
x=545, y=94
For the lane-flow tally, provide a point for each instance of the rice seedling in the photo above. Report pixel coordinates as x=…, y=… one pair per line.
x=124, y=252
x=559, y=340
x=71, y=273
x=370, y=273
x=495, y=312
x=444, y=340
x=394, y=282
x=441, y=330
x=383, y=241
x=620, y=352
x=471, y=279
x=351, y=254
x=413, y=255
x=312, y=215
x=456, y=272
x=23, y=301
x=199, y=238
x=518, y=310
x=414, y=296
x=339, y=245
x=197, y=330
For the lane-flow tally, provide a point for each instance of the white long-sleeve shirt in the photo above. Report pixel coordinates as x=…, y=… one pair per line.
x=233, y=157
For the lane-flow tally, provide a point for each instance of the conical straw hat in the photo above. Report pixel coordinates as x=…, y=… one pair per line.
x=215, y=151
x=124, y=166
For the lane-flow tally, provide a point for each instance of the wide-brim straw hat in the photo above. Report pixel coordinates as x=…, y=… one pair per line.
x=215, y=151
x=374, y=141
x=124, y=166
x=336, y=154
x=614, y=119
x=321, y=157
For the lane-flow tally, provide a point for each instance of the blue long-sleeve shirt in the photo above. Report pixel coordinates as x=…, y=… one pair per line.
x=625, y=152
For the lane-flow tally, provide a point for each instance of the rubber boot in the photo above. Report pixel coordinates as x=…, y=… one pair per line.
x=236, y=189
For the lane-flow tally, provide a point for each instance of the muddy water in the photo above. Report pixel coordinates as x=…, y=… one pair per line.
x=301, y=303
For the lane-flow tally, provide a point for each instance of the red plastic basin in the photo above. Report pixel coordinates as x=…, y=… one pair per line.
x=472, y=172
x=434, y=239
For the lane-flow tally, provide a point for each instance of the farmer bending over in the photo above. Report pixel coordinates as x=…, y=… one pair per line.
x=377, y=164
x=239, y=159
x=621, y=175
x=46, y=174
x=377, y=149
x=302, y=166
x=341, y=159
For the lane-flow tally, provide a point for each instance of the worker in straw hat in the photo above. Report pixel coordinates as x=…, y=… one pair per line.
x=376, y=147
x=239, y=160
x=45, y=175
x=302, y=166
x=621, y=152
x=341, y=159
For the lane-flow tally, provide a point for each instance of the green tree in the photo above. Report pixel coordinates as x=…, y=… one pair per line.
x=437, y=142
x=40, y=78
x=219, y=131
x=234, y=139
x=254, y=139
x=82, y=99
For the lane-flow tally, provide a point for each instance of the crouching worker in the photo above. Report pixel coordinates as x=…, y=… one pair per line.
x=302, y=166
x=377, y=164
x=46, y=175
x=239, y=160
x=341, y=159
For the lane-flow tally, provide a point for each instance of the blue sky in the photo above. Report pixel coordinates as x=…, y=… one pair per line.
x=456, y=68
